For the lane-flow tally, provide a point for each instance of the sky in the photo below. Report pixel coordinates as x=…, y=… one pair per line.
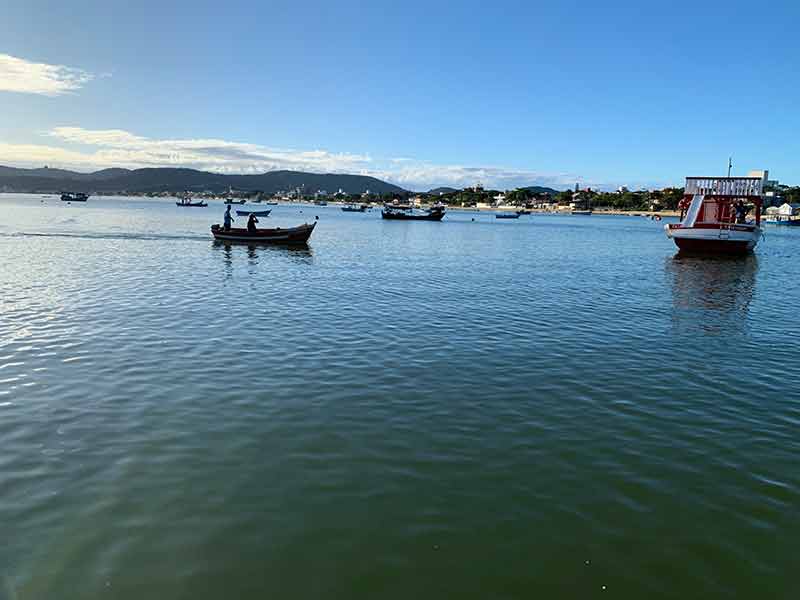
x=420, y=93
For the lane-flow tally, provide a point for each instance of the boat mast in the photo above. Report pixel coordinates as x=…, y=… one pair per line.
x=730, y=164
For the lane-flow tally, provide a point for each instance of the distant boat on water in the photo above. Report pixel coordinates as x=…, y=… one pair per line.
x=781, y=220
x=186, y=200
x=510, y=215
x=354, y=207
x=70, y=197
x=231, y=200
x=258, y=213
x=407, y=213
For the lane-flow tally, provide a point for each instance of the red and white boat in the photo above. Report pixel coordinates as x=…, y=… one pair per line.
x=713, y=215
x=277, y=235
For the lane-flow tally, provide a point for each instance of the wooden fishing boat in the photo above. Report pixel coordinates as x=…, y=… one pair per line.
x=354, y=208
x=276, y=235
x=232, y=201
x=713, y=215
x=70, y=197
x=392, y=213
x=511, y=215
x=258, y=213
x=189, y=203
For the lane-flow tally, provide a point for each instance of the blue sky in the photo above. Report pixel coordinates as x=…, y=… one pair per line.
x=420, y=93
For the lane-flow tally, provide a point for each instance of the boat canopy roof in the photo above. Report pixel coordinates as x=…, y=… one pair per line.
x=734, y=187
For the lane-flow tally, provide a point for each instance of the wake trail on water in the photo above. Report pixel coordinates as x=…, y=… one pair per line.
x=107, y=236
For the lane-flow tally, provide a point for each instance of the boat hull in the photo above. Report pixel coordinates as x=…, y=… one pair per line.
x=258, y=213
x=511, y=216
x=398, y=216
x=738, y=239
x=353, y=209
x=786, y=222
x=288, y=235
x=192, y=204
x=74, y=197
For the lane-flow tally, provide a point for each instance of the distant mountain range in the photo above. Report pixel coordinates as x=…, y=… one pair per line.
x=46, y=180
x=536, y=189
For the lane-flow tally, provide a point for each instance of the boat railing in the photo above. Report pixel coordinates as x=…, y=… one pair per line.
x=724, y=186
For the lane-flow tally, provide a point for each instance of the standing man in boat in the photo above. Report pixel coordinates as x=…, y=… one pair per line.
x=228, y=218
x=251, y=223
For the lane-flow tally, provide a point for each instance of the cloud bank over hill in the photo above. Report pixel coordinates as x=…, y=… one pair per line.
x=88, y=149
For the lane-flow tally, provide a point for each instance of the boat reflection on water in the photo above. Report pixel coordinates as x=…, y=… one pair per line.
x=711, y=295
x=256, y=252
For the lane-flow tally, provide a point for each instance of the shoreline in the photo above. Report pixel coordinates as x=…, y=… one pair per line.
x=379, y=204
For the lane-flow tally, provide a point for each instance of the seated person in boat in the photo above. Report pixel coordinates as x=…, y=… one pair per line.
x=741, y=212
x=228, y=218
x=251, y=223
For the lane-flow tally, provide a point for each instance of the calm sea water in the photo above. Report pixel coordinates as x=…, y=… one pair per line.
x=549, y=407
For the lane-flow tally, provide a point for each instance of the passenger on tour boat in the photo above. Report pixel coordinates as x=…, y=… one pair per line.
x=251, y=223
x=741, y=212
x=228, y=218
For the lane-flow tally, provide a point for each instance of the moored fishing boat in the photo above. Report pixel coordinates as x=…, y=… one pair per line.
x=407, y=213
x=70, y=197
x=354, y=207
x=510, y=215
x=782, y=220
x=713, y=215
x=186, y=200
x=258, y=213
x=276, y=235
x=231, y=200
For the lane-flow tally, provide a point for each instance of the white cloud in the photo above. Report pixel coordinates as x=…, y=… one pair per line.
x=119, y=148
x=20, y=75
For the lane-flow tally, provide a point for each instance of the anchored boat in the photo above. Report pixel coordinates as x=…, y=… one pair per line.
x=186, y=200
x=258, y=213
x=70, y=197
x=713, y=215
x=355, y=207
x=277, y=235
x=403, y=213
